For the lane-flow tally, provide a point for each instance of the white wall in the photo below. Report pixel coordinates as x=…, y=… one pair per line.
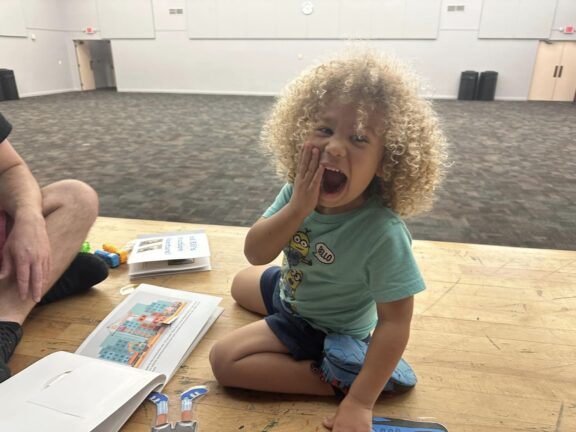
x=126, y=19
x=44, y=60
x=565, y=15
x=174, y=62
x=176, y=65
x=325, y=19
x=41, y=66
x=519, y=19
x=12, y=19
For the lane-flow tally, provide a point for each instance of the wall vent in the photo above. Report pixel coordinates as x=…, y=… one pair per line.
x=455, y=8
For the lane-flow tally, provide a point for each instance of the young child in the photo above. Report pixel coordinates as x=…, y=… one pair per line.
x=359, y=149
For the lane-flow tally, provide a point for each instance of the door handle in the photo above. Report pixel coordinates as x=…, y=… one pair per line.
x=555, y=71
x=560, y=72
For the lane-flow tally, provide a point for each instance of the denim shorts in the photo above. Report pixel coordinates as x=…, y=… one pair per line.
x=302, y=340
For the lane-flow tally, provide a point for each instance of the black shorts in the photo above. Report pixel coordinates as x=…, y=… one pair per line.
x=302, y=340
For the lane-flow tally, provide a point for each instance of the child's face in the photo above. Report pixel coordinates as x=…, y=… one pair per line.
x=351, y=159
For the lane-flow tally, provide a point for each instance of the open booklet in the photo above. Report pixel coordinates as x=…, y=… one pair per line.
x=157, y=254
x=136, y=349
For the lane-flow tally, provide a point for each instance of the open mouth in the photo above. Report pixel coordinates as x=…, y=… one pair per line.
x=333, y=180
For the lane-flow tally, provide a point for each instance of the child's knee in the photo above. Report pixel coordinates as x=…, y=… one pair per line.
x=236, y=287
x=241, y=285
x=220, y=362
x=245, y=288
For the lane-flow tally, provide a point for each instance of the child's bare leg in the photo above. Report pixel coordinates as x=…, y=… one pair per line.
x=252, y=357
x=246, y=289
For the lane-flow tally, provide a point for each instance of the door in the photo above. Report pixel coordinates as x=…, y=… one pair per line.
x=102, y=63
x=566, y=81
x=554, y=77
x=84, y=60
x=545, y=71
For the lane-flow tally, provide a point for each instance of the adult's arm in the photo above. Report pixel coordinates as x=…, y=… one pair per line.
x=27, y=249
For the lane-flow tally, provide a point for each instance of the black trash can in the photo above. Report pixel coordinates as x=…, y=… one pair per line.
x=1, y=93
x=8, y=84
x=487, y=85
x=468, y=83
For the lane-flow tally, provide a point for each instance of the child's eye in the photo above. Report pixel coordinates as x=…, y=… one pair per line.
x=360, y=138
x=324, y=131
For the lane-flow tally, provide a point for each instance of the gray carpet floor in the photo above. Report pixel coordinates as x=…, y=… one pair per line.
x=196, y=158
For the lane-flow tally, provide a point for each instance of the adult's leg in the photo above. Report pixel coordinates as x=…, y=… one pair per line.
x=252, y=357
x=246, y=291
x=70, y=208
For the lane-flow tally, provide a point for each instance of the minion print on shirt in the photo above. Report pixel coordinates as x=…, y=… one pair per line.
x=295, y=252
x=292, y=279
x=298, y=249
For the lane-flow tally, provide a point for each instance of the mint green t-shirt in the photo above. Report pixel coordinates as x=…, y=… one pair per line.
x=337, y=267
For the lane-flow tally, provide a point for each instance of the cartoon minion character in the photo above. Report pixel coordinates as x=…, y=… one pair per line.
x=299, y=248
x=292, y=279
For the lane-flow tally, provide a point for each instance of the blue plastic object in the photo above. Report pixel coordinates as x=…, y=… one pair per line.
x=386, y=424
x=112, y=259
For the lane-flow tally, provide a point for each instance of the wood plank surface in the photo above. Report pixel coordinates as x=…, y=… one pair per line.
x=493, y=339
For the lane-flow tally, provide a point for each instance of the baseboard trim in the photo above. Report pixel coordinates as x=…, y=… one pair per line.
x=200, y=92
x=47, y=92
x=234, y=93
x=454, y=97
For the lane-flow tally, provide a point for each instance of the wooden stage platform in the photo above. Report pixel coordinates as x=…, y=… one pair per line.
x=493, y=339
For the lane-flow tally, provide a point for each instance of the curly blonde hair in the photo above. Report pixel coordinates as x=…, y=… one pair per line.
x=383, y=90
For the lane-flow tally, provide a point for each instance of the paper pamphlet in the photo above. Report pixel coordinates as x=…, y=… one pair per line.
x=69, y=392
x=155, y=254
x=154, y=329
x=135, y=350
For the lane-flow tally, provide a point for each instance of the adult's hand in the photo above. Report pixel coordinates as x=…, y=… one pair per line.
x=27, y=255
